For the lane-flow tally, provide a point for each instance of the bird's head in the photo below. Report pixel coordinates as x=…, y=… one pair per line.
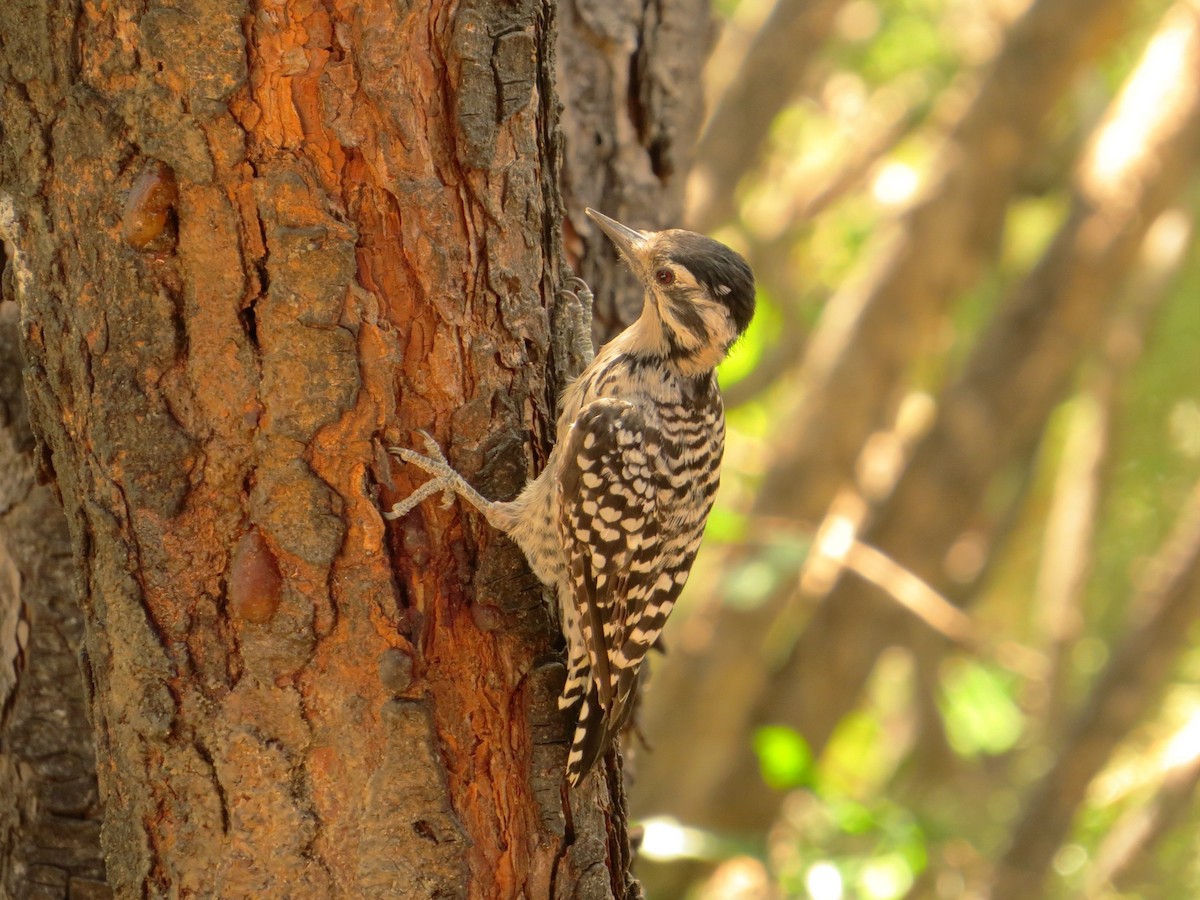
x=699, y=293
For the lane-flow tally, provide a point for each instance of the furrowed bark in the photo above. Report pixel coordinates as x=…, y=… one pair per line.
x=50, y=816
x=630, y=80
x=254, y=245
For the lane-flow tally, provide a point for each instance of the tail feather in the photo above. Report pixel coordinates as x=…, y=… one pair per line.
x=595, y=732
x=591, y=739
x=577, y=682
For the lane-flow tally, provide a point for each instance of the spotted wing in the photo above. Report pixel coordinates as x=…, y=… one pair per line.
x=610, y=524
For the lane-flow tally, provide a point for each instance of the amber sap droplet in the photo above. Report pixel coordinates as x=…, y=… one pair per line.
x=254, y=584
x=149, y=205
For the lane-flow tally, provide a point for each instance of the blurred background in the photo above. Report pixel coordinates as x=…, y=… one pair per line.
x=940, y=639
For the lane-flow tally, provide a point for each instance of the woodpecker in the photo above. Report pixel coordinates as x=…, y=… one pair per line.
x=614, y=521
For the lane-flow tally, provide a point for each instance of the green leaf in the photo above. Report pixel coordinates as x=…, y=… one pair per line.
x=979, y=710
x=783, y=757
x=726, y=526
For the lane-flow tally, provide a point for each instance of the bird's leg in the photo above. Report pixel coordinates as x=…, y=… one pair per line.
x=445, y=479
x=580, y=313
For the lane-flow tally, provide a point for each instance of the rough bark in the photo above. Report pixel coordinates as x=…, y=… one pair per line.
x=629, y=76
x=254, y=244
x=50, y=815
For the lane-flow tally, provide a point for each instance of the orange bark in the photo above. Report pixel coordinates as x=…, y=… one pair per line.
x=272, y=241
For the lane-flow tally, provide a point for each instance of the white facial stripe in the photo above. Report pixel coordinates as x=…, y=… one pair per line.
x=717, y=322
x=683, y=278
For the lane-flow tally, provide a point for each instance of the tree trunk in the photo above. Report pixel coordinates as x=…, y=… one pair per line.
x=50, y=814
x=253, y=246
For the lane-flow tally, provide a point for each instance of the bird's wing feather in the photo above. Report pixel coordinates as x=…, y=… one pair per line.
x=610, y=502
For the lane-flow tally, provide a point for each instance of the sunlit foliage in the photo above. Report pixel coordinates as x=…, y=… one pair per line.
x=919, y=787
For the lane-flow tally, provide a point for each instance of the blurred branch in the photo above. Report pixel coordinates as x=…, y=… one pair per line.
x=1125, y=692
x=779, y=357
x=770, y=76
x=1071, y=525
x=935, y=611
x=853, y=367
x=1125, y=856
x=838, y=550
x=1074, y=512
x=889, y=118
x=874, y=327
x=992, y=419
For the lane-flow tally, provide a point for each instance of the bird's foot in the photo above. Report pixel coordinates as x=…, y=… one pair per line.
x=445, y=481
x=579, y=314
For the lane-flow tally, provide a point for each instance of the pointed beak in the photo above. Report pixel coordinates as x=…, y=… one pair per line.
x=629, y=242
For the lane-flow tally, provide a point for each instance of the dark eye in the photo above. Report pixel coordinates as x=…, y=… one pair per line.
x=665, y=277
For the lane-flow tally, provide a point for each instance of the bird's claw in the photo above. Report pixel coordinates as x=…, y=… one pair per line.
x=434, y=464
x=578, y=290
x=431, y=446
x=579, y=320
x=443, y=480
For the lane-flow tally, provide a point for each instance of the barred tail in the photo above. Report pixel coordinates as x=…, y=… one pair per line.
x=595, y=732
x=578, y=679
x=592, y=737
